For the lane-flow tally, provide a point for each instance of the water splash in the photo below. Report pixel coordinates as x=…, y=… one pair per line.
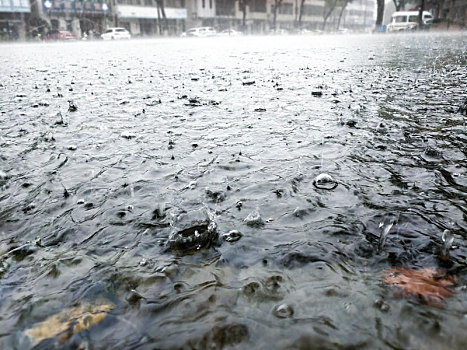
x=385, y=227
x=447, y=239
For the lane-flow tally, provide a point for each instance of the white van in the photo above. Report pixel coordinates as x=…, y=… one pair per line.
x=407, y=20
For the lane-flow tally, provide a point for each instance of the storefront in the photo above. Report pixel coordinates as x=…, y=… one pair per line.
x=13, y=17
x=148, y=20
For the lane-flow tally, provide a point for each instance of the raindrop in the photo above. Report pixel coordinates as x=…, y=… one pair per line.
x=325, y=182
x=283, y=311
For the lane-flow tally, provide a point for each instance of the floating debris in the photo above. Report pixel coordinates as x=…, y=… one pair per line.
x=68, y=322
x=325, y=182
x=429, y=285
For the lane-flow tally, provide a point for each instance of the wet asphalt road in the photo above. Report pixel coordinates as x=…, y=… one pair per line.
x=176, y=181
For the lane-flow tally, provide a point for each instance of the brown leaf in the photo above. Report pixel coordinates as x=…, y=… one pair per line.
x=430, y=285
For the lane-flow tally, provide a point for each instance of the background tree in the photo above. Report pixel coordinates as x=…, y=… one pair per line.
x=277, y=5
x=161, y=12
x=420, y=14
x=400, y=4
x=329, y=6
x=343, y=4
x=379, y=12
x=242, y=4
x=300, y=14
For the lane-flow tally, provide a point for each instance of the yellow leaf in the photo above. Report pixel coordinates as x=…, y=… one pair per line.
x=68, y=322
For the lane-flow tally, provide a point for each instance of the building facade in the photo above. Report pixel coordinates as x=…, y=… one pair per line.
x=259, y=14
x=150, y=17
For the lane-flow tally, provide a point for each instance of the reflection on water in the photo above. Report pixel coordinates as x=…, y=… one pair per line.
x=241, y=193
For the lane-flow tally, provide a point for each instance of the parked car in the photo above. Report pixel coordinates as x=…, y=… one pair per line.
x=59, y=35
x=200, y=32
x=230, y=32
x=116, y=34
x=407, y=20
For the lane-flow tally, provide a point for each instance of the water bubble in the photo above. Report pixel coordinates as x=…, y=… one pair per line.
x=283, y=311
x=325, y=182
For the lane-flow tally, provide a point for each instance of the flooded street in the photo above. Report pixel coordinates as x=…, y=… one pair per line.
x=246, y=193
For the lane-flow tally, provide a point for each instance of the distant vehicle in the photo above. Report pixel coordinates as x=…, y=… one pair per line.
x=407, y=20
x=200, y=32
x=59, y=35
x=230, y=32
x=279, y=31
x=116, y=34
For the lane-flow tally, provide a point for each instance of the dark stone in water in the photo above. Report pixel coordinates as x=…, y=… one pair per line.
x=248, y=82
x=72, y=107
x=216, y=196
x=351, y=123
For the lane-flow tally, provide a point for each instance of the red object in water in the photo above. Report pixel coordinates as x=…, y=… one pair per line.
x=429, y=285
x=59, y=35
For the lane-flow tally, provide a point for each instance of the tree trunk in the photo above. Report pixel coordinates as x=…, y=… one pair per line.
x=327, y=14
x=344, y=5
x=399, y=4
x=379, y=12
x=420, y=14
x=242, y=4
x=161, y=8
x=277, y=4
x=302, y=2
